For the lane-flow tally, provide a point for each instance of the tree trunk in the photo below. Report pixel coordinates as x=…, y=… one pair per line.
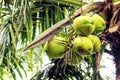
x=116, y=54
x=112, y=34
x=114, y=40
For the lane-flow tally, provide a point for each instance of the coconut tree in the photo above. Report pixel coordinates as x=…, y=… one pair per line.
x=22, y=20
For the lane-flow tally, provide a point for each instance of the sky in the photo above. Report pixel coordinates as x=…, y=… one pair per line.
x=108, y=69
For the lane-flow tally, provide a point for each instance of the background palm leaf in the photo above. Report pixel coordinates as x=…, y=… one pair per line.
x=20, y=22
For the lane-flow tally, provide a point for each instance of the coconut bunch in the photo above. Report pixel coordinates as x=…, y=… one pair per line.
x=84, y=40
x=87, y=42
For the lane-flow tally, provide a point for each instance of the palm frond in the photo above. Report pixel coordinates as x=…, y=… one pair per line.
x=20, y=22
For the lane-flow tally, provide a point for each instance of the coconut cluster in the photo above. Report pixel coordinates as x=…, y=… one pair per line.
x=84, y=43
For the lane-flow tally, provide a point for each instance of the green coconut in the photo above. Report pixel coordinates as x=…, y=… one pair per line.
x=99, y=23
x=55, y=48
x=83, y=25
x=96, y=42
x=83, y=45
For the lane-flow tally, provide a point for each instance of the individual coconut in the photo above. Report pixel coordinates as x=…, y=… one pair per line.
x=55, y=48
x=83, y=45
x=99, y=23
x=83, y=25
x=96, y=42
